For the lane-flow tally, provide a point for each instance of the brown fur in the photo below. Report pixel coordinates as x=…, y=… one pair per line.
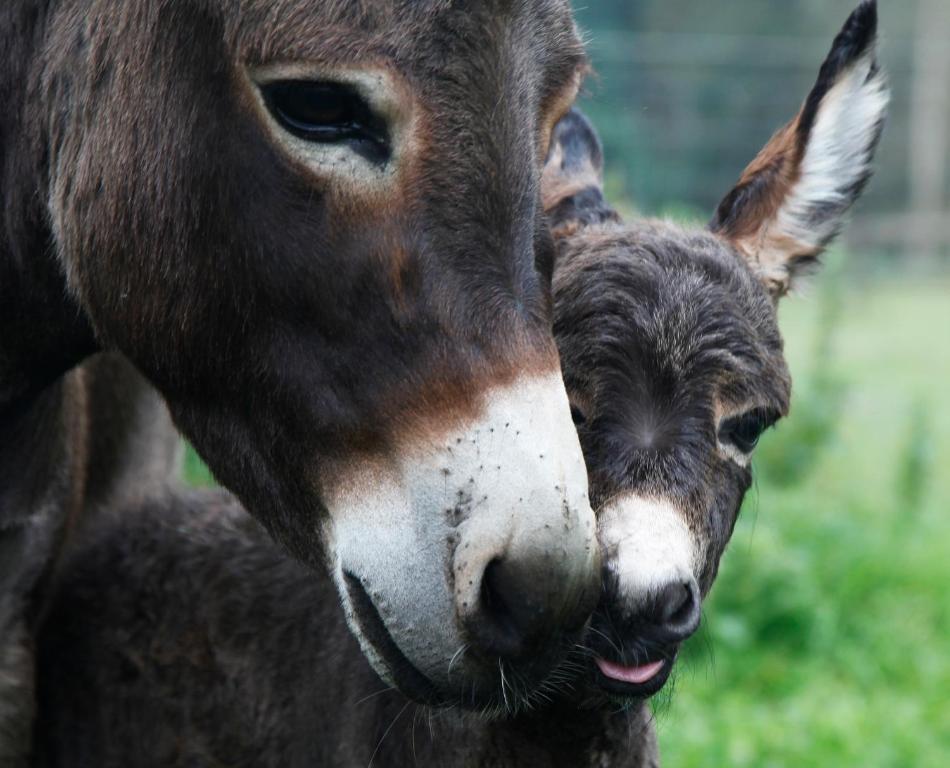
x=779, y=164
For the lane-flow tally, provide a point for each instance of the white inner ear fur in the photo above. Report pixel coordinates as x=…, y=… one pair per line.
x=387, y=98
x=838, y=155
x=646, y=544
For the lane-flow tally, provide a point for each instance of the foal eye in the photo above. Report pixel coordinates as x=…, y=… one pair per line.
x=743, y=431
x=328, y=113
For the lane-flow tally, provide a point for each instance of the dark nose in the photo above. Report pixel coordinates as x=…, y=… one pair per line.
x=521, y=611
x=675, y=612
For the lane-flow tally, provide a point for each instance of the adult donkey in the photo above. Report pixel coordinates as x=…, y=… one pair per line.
x=215, y=648
x=315, y=227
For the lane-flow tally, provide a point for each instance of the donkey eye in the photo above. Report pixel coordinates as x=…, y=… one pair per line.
x=743, y=431
x=328, y=113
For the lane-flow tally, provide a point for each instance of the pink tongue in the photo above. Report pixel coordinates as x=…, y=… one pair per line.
x=633, y=675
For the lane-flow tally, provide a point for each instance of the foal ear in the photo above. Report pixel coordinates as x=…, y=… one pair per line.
x=572, y=183
x=791, y=201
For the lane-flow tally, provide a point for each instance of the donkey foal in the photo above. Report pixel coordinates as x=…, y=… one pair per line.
x=183, y=636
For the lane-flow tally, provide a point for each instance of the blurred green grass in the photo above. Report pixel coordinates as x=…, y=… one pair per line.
x=196, y=472
x=826, y=641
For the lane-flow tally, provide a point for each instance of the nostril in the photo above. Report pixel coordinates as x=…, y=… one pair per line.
x=494, y=604
x=678, y=609
x=674, y=601
x=500, y=611
x=512, y=614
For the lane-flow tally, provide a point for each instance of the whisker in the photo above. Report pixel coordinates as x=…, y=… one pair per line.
x=375, y=694
x=501, y=670
x=459, y=653
x=386, y=733
x=415, y=721
x=617, y=648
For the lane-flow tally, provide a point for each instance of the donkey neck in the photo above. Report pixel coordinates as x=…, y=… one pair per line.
x=43, y=333
x=97, y=438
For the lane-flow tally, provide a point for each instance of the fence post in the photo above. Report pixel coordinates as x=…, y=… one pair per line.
x=929, y=126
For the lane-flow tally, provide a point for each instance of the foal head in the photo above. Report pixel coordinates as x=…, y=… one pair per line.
x=672, y=354
x=316, y=227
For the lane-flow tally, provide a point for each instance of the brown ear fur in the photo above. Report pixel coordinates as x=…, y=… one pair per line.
x=745, y=215
x=791, y=201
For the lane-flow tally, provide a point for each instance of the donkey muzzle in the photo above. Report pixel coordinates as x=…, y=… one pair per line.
x=475, y=551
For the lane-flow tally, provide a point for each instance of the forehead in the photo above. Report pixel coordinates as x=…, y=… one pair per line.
x=415, y=34
x=669, y=310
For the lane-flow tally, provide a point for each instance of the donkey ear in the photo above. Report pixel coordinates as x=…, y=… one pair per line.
x=791, y=201
x=572, y=183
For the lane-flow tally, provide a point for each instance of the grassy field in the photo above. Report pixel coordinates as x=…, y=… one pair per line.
x=827, y=638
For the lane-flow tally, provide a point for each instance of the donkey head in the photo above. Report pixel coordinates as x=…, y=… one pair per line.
x=672, y=355
x=316, y=227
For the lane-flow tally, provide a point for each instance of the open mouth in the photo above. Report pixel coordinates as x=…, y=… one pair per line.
x=404, y=674
x=639, y=682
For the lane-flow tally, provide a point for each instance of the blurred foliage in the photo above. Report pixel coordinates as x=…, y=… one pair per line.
x=917, y=461
x=819, y=395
